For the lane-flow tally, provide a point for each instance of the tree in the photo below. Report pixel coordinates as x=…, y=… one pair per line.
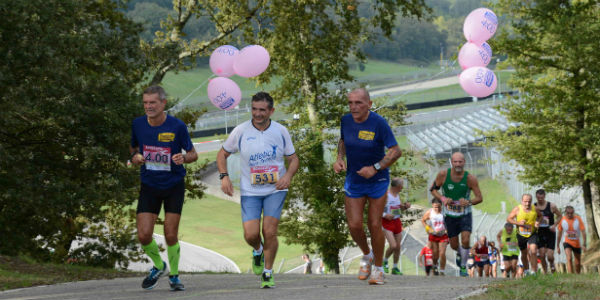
x=69, y=71
x=553, y=48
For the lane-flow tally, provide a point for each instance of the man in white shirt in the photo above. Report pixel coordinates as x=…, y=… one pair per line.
x=264, y=180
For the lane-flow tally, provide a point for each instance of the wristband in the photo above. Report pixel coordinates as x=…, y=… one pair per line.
x=428, y=229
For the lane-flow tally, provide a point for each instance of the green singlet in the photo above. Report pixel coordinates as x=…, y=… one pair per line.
x=455, y=191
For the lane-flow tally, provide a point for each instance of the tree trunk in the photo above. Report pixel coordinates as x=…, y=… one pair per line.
x=592, y=213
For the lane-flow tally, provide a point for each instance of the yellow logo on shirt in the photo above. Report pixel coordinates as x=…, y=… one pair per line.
x=166, y=137
x=366, y=135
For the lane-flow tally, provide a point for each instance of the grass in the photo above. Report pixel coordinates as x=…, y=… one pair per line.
x=19, y=272
x=554, y=286
x=210, y=138
x=216, y=224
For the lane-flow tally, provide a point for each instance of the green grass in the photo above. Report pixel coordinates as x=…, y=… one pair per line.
x=216, y=224
x=554, y=286
x=19, y=272
x=210, y=138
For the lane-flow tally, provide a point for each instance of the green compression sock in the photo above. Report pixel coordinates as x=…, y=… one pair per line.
x=154, y=254
x=173, y=252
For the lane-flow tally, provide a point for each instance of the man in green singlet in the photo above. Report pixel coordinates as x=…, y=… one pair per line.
x=456, y=185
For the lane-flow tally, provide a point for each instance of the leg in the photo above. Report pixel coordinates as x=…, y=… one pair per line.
x=495, y=269
x=514, y=263
x=577, y=256
x=543, y=259
x=252, y=233
x=271, y=244
x=569, y=257
x=398, y=238
x=465, y=239
x=550, y=257
x=354, y=215
x=145, y=227
x=389, y=236
x=435, y=248
x=442, y=249
x=533, y=256
x=171, y=228
x=454, y=243
x=486, y=269
x=376, y=207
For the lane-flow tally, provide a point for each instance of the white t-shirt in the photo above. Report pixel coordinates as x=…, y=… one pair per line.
x=393, y=206
x=437, y=222
x=261, y=156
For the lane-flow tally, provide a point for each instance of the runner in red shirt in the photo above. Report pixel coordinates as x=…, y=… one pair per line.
x=481, y=252
x=426, y=258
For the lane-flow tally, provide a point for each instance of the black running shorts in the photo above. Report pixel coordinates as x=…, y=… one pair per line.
x=151, y=199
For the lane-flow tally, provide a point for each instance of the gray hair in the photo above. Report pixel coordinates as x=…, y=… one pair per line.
x=156, y=89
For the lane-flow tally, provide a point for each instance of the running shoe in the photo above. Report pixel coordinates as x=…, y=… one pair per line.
x=435, y=271
x=442, y=272
x=266, y=280
x=385, y=267
x=463, y=272
x=458, y=260
x=396, y=271
x=376, y=277
x=175, y=283
x=258, y=263
x=365, y=268
x=152, y=279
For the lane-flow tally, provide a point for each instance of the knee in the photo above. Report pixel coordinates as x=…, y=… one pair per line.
x=145, y=237
x=375, y=224
x=355, y=227
x=395, y=247
x=171, y=238
x=270, y=233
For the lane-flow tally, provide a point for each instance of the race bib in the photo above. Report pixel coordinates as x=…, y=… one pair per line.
x=396, y=211
x=512, y=246
x=483, y=257
x=264, y=174
x=525, y=229
x=572, y=234
x=157, y=158
x=429, y=262
x=545, y=221
x=438, y=226
x=455, y=206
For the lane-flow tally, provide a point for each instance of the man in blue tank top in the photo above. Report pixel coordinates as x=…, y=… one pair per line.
x=157, y=141
x=364, y=137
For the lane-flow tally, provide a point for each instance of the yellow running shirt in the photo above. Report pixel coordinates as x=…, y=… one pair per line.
x=530, y=217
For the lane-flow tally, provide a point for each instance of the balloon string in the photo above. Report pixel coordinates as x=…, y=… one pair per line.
x=190, y=94
x=419, y=84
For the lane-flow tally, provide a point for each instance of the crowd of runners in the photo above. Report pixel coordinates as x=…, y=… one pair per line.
x=366, y=149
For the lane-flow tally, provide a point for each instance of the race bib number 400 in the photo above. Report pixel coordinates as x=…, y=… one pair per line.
x=572, y=235
x=264, y=174
x=157, y=158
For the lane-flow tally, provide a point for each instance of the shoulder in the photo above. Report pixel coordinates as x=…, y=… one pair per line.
x=139, y=120
x=378, y=118
x=443, y=173
x=346, y=118
x=278, y=126
x=174, y=121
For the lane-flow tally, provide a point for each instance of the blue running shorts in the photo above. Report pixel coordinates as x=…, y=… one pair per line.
x=371, y=190
x=267, y=205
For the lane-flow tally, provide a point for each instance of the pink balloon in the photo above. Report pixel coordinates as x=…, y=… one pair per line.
x=473, y=55
x=221, y=60
x=480, y=25
x=224, y=93
x=252, y=61
x=478, y=81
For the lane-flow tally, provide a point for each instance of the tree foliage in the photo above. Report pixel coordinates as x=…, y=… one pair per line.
x=553, y=48
x=69, y=71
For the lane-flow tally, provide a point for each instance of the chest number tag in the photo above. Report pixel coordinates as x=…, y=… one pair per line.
x=264, y=174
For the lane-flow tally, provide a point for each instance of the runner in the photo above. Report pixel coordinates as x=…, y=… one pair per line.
x=527, y=218
x=426, y=258
x=456, y=185
x=547, y=230
x=438, y=236
x=509, y=246
x=364, y=136
x=157, y=141
x=264, y=180
x=471, y=265
x=480, y=251
x=494, y=253
x=392, y=225
x=573, y=225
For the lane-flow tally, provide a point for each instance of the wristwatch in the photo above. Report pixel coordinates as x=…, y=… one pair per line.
x=222, y=175
x=377, y=166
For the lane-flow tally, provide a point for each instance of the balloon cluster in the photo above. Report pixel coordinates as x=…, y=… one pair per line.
x=226, y=61
x=473, y=57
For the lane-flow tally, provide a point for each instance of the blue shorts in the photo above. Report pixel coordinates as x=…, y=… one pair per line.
x=455, y=226
x=267, y=205
x=371, y=190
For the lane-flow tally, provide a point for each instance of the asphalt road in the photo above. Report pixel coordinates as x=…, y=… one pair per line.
x=238, y=287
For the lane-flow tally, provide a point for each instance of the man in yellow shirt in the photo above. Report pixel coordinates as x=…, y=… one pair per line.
x=527, y=218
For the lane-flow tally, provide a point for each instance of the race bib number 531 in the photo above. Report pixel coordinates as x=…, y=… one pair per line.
x=264, y=174
x=157, y=158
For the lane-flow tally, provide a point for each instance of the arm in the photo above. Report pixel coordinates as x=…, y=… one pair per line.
x=389, y=159
x=539, y=218
x=499, y=238
x=136, y=157
x=293, y=165
x=340, y=165
x=512, y=217
x=424, y=219
x=226, y=185
x=558, y=239
x=437, y=184
x=558, y=214
x=473, y=184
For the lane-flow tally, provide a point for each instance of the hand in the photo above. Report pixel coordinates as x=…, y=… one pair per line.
x=406, y=205
x=501, y=245
x=553, y=228
x=558, y=251
x=521, y=223
x=178, y=159
x=226, y=186
x=445, y=200
x=367, y=172
x=388, y=217
x=537, y=224
x=463, y=202
x=138, y=159
x=339, y=165
x=283, y=182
